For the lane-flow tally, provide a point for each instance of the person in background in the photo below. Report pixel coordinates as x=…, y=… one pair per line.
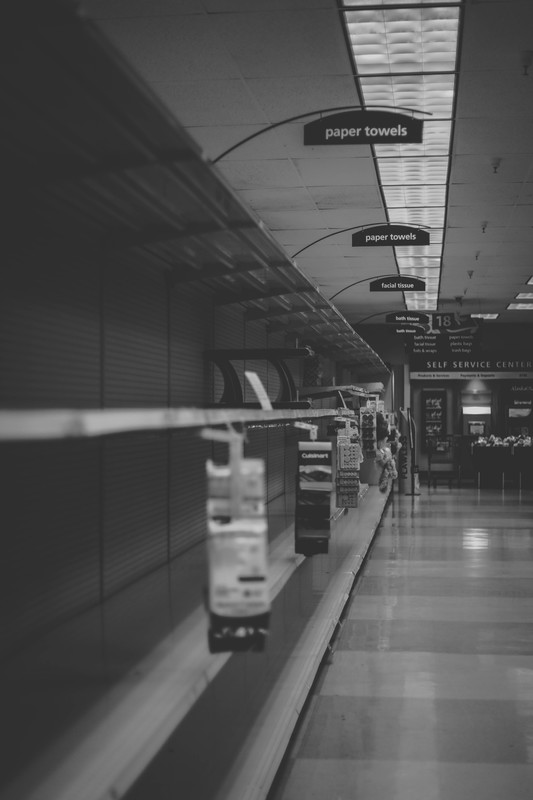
x=394, y=441
x=384, y=455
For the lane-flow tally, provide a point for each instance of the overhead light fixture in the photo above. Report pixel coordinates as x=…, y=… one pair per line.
x=476, y=409
x=524, y=296
x=520, y=307
x=405, y=57
x=485, y=316
x=530, y=281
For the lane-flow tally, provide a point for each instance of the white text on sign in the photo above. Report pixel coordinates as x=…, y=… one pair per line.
x=352, y=133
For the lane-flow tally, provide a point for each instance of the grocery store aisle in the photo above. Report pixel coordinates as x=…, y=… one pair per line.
x=429, y=693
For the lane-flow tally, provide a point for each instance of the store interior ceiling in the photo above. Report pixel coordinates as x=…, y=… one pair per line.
x=227, y=69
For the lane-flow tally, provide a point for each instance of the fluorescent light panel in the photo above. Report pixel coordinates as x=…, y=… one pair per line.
x=437, y=137
x=520, y=307
x=422, y=251
x=414, y=196
x=524, y=296
x=427, y=217
x=415, y=171
x=360, y=3
x=404, y=40
x=485, y=316
x=432, y=93
x=387, y=42
x=418, y=263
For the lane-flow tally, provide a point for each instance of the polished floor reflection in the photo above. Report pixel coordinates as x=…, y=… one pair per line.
x=429, y=692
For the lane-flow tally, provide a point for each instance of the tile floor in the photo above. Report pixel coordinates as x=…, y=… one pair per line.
x=429, y=692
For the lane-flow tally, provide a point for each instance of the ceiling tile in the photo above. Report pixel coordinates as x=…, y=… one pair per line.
x=321, y=267
x=215, y=140
x=330, y=197
x=493, y=136
x=347, y=217
x=279, y=199
x=311, y=220
x=473, y=217
x=285, y=43
x=245, y=6
x=502, y=28
x=166, y=49
x=480, y=169
x=508, y=85
x=210, y=103
x=336, y=171
x=261, y=174
x=473, y=234
x=294, y=239
x=474, y=193
x=288, y=96
x=521, y=216
x=121, y=9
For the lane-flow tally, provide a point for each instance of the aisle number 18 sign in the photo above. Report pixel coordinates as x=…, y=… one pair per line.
x=452, y=322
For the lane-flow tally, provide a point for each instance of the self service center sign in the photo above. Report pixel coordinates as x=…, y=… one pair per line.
x=363, y=127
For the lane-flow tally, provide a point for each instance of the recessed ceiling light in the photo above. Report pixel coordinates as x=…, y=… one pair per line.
x=485, y=316
x=530, y=280
x=524, y=296
x=520, y=307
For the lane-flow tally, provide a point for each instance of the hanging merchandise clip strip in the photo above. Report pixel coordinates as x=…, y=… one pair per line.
x=235, y=441
x=255, y=382
x=307, y=426
x=343, y=402
x=238, y=596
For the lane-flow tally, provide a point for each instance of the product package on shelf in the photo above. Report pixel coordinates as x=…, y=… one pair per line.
x=314, y=488
x=343, y=411
x=367, y=418
x=237, y=544
x=349, y=456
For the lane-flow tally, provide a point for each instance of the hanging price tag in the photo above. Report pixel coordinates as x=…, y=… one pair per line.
x=238, y=594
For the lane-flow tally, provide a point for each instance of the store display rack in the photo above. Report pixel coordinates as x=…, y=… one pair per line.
x=126, y=182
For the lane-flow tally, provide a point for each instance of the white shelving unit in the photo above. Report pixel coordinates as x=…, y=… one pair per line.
x=78, y=424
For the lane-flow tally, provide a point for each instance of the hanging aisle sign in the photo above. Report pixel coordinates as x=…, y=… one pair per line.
x=390, y=236
x=406, y=330
x=407, y=318
x=397, y=283
x=364, y=127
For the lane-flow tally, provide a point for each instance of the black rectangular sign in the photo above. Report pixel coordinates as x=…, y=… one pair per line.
x=407, y=318
x=390, y=236
x=364, y=127
x=397, y=284
x=405, y=329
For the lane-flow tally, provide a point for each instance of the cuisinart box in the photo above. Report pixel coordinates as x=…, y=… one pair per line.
x=314, y=497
